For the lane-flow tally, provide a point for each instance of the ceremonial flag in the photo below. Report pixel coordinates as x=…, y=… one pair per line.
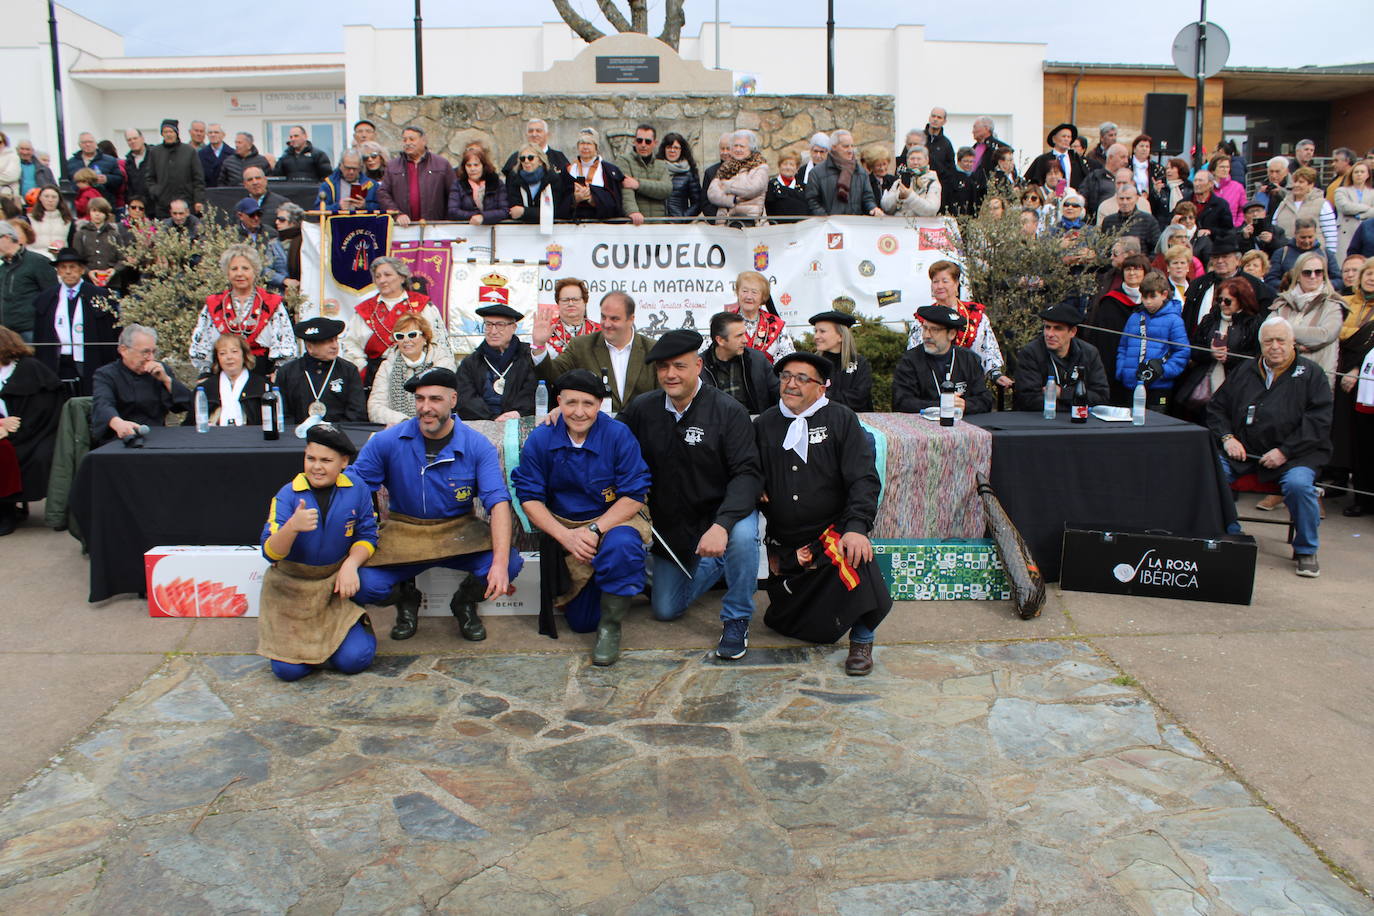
x=353, y=242
x=433, y=260
x=477, y=285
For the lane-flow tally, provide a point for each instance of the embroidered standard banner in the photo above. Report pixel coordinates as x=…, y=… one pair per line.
x=353, y=242
x=431, y=259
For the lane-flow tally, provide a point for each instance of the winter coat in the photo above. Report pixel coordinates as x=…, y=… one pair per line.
x=105, y=165
x=760, y=382
x=655, y=184
x=1353, y=205
x=518, y=394
x=782, y=201
x=741, y=197
x=1286, y=258
x=685, y=198
x=98, y=244
x=435, y=175
x=606, y=202
x=823, y=183
x=232, y=168
x=82, y=205
x=329, y=194
x=1140, y=224
x=924, y=199
x=210, y=163
x=1164, y=325
x=519, y=194
x=1316, y=327
x=1292, y=415
x=1233, y=192
x=21, y=278
x=462, y=204
x=309, y=164
x=174, y=172
x=379, y=409
x=135, y=177
x=34, y=394
x=72, y=443
x=9, y=172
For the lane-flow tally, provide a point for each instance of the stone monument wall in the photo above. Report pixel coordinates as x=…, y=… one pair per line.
x=782, y=121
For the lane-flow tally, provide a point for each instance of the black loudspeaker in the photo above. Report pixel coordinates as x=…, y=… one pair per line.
x=1165, y=116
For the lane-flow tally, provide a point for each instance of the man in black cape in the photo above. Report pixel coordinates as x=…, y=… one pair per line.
x=821, y=495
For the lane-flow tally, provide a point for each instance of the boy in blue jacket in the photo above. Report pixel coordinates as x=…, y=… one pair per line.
x=1154, y=343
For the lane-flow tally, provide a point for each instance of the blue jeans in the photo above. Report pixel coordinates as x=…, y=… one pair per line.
x=674, y=592
x=1300, y=496
x=375, y=583
x=354, y=654
x=860, y=633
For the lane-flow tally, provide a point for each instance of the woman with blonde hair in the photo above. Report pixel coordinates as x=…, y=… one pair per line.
x=245, y=309
x=232, y=389
x=532, y=184
x=1255, y=263
x=764, y=329
x=1313, y=309
x=413, y=351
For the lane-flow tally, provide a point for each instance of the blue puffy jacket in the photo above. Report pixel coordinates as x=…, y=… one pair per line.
x=1165, y=324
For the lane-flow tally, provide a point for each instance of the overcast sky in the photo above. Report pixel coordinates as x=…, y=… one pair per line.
x=1264, y=34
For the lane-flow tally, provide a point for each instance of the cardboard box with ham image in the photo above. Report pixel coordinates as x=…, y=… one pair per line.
x=199, y=581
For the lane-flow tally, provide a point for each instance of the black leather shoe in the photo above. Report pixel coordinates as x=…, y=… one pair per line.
x=464, y=607
x=9, y=519
x=1355, y=510
x=407, y=610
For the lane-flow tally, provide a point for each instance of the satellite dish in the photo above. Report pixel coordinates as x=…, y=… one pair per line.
x=1214, y=57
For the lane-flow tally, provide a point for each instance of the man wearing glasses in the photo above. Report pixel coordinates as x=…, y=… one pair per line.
x=647, y=182
x=496, y=381
x=348, y=190
x=820, y=495
x=137, y=390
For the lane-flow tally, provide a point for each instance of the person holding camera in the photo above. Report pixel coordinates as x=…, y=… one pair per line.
x=1154, y=343
x=916, y=192
x=1258, y=231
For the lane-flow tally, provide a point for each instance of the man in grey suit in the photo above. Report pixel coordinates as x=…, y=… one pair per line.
x=840, y=185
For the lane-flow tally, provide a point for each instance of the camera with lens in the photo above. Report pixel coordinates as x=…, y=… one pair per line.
x=1150, y=371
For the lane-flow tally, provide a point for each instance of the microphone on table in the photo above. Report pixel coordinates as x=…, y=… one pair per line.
x=136, y=440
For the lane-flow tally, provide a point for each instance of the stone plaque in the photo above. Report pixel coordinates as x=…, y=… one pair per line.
x=627, y=69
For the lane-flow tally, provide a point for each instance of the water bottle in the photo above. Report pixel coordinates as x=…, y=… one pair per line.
x=541, y=401
x=271, y=411
x=281, y=411
x=947, y=403
x=202, y=410
x=1138, y=405
x=1051, y=398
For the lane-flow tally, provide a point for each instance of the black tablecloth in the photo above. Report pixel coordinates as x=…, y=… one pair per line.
x=1163, y=475
x=182, y=487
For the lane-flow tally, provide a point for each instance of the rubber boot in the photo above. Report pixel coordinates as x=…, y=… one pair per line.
x=613, y=608
x=464, y=607
x=406, y=597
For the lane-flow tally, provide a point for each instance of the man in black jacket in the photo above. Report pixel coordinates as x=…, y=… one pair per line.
x=301, y=161
x=135, y=390
x=1129, y=219
x=736, y=368
x=174, y=171
x=1284, y=259
x=1223, y=264
x=136, y=164
x=937, y=145
x=320, y=384
x=496, y=381
x=1056, y=354
x=924, y=370
x=700, y=442
x=1100, y=183
x=1274, y=419
x=74, y=324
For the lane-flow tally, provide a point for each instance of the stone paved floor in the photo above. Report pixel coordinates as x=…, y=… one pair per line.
x=977, y=778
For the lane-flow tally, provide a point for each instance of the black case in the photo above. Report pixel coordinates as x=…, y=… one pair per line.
x=1158, y=564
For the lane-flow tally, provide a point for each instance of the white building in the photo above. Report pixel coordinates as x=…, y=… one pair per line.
x=264, y=94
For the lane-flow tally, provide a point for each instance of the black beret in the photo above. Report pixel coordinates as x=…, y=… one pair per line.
x=581, y=380
x=330, y=436
x=674, y=343
x=444, y=378
x=319, y=328
x=944, y=317
x=1062, y=313
x=834, y=316
x=815, y=360
x=500, y=311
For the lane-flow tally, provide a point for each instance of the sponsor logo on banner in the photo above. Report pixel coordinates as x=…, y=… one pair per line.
x=934, y=240
x=888, y=244
x=815, y=269
x=889, y=297
x=554, y=255
x=353, y=242
x=494, y=290
x=834, y=241
x=866, y=269
x=786, y=299
x=761, y=258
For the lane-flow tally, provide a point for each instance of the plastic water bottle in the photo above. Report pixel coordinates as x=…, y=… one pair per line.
x=281, y=411
x=1051, y=398
x=271, y=410
x=1138, y=405
x=541, y=401
x=202, y=410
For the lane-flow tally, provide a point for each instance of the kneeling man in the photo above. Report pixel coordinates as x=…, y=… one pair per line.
x=582, y=482
x=820, y=497
x=697, y=441
x=320, y=530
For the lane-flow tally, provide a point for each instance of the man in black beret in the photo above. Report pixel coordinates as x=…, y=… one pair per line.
x=319, y=384
x=699, y=439
x=1056, y=355
x=496, y=381
x=736, y=368
x=924, y=370
x=820, y=498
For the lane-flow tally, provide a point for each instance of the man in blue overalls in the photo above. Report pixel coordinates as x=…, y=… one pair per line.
x=433, y=466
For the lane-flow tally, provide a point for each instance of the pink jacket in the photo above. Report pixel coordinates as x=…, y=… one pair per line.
x=1233, y=192
x=742, y=196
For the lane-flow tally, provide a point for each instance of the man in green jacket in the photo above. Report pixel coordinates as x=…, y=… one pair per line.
x=647, y=182
x=23, y=274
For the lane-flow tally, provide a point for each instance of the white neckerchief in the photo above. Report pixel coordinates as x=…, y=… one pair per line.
x=5, y=372
x=70, y=334
x=1364, y=394
x=597, y=179
x=230, y=410
x=1141, y=174
x=1131, y=292
x=799, y=433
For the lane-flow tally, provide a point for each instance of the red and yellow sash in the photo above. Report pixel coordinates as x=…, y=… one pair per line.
x=830, y=545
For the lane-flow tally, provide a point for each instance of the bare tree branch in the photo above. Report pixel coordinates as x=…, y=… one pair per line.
x=614, y=16
x=639, y=16
x=584, y=29
x=673, y=21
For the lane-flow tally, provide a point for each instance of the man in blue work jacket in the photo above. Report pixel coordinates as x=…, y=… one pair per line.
x=432, y=467
x=583, y=482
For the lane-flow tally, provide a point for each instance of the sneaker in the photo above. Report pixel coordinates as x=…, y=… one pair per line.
x=1307, y=566
x=734, y=639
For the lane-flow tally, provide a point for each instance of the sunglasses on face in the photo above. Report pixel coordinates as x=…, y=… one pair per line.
x=372, y=156
x=1226, y=300
x=406, y=335
x=1314, y=273
x=643, y=140
x=786, y=377
x=136, y=206
x=529, y=158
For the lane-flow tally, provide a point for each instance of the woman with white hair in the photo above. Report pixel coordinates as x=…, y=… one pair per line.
x=244, y=310
x=1313, y=309
x=596, y=183
x=741, y=182
x=368, y=335
x=916, y=191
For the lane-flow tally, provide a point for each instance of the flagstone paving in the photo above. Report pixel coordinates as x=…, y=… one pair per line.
x=981, y=778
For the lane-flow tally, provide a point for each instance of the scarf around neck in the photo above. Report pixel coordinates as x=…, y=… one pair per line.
x=732, y=166
x=846, y=169
x=798, y=434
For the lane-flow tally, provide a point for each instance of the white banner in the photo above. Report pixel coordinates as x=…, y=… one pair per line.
x=474, y=285
x=680, y=275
